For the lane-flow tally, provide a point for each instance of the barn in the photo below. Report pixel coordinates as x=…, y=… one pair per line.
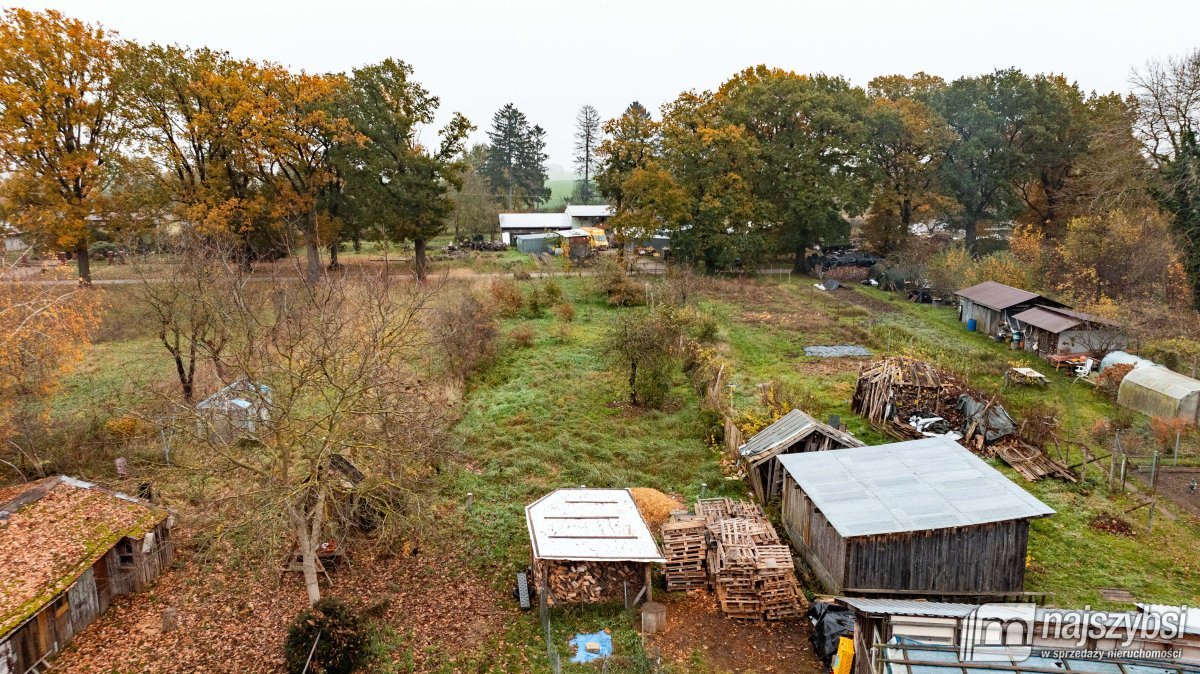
x=67, y=547
x=1059, y=331
x=793, y=432
x=588, y=215
x=989, y=304
x=923, y=517
x=513, y=224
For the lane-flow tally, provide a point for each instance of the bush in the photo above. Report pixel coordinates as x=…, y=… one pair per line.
x=616, y=285
x=552, y=291
x=565, y=312
x=101, y=248
x=466, y=333
x=645, y=346
x=522, y=336
x=507, y=297
x=1109, y=380
x=342, y=644
x=535, y=304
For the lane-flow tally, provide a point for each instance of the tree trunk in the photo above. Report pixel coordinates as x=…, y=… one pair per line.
x=308, y=538
x=419, y=258
x=798, y=259
x=334, y=264
x=969, y=228
x=313, y=273
x=633, y=383
x=84, y=263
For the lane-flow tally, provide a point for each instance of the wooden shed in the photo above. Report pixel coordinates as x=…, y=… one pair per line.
x=923, y=517
x=990, y=304
x=1059, y=331
x=67, y=547
x=590, y=545
x=793, y=432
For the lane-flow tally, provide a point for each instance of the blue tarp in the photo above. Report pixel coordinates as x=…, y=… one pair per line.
x=581, y=641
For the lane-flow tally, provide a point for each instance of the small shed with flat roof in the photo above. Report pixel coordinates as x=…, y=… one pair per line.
x=923, y=517
x=590, y=545
x=793, y=432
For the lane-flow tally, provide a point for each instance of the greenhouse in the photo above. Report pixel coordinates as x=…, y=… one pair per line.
x=1159, y=392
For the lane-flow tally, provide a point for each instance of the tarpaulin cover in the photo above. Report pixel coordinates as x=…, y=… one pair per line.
x=830, y=623
x=995, y=424
x=580, y=642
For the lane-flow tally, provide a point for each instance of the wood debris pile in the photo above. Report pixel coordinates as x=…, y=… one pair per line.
x=1032, y=463
x=731, y=546
x=589, y=582
x=891, y=390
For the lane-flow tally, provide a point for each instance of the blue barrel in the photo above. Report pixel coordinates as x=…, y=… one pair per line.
x=971, y=325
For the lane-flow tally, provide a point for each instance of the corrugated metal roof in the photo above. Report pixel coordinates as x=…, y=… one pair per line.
x=1050, y=321
x=573, y=233
x=590, y=525
x=925, y=609
x=996, y=295
x=919, y=485
x=786, y=430
x=1158, y=378
x=592, y=211
x=534, y=220
x=534, y=237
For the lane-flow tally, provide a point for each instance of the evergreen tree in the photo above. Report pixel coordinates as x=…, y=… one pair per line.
x=587, y=140
x=516, y=159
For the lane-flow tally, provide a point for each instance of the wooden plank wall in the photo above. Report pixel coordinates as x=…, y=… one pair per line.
x=818, y=543
x=984, y=558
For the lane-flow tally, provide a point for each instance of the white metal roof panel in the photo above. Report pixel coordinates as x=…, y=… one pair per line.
x=534, y=220
x=909, y=607
x=919, y=485
x=590, y=525
x=1192, y=621
x=590, y=211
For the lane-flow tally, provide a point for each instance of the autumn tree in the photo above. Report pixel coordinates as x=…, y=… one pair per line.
x=193, y=111
x=809, y=134
x=45, y=330
x=630, y=174
x=476, y=212
x=516, y=160
x=297, y=131
x=62, y=84
x=706, y=186
x=587, y=141
x=644, y=346
x=350, y=426
x=906, y=143
x=392, y=182
x=1053, y=140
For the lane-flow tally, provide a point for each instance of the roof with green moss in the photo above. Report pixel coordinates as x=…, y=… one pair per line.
x=52, y=531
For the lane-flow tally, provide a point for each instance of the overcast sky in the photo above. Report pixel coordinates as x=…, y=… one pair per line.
x=549, y=58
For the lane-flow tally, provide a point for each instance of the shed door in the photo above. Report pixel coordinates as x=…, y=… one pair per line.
x=103, y=583
x=85, y=605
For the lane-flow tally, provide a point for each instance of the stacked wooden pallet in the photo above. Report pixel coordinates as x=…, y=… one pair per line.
x=742, y=558
x=684, y=546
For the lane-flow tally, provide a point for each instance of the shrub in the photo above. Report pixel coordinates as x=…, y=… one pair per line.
x=507, y=297
x=552, y=291
x=535, y=303
x=466, y=333
x=342, y=644
x=522, y=335
x=565, y=312
x=618, y=287
x=1109, y=380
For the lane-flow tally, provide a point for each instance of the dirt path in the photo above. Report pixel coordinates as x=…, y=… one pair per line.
x=696, y=629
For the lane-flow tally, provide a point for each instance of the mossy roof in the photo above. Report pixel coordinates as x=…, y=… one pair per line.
x=53, y=530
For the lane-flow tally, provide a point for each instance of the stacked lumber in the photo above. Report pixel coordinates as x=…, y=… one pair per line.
x=1032, y=463
x=578, y=581
x=742, y=557
x=684, y=547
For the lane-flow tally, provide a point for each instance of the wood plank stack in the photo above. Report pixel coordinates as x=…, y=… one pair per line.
x=743, y=559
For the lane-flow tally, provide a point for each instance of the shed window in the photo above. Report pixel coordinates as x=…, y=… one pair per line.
x=125, y=552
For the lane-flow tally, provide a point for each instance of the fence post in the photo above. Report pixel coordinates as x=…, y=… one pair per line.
x=1175, y=461
x=1154, y=471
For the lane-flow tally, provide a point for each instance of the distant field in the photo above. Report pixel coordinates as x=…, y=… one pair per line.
x=560, y=191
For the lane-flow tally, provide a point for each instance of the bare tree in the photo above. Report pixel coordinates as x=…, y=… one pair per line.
x=1168, y=104
x=347, y=426
x=587, y=140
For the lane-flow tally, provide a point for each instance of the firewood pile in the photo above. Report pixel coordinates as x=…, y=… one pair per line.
x=586, y=582
x=732, y=547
